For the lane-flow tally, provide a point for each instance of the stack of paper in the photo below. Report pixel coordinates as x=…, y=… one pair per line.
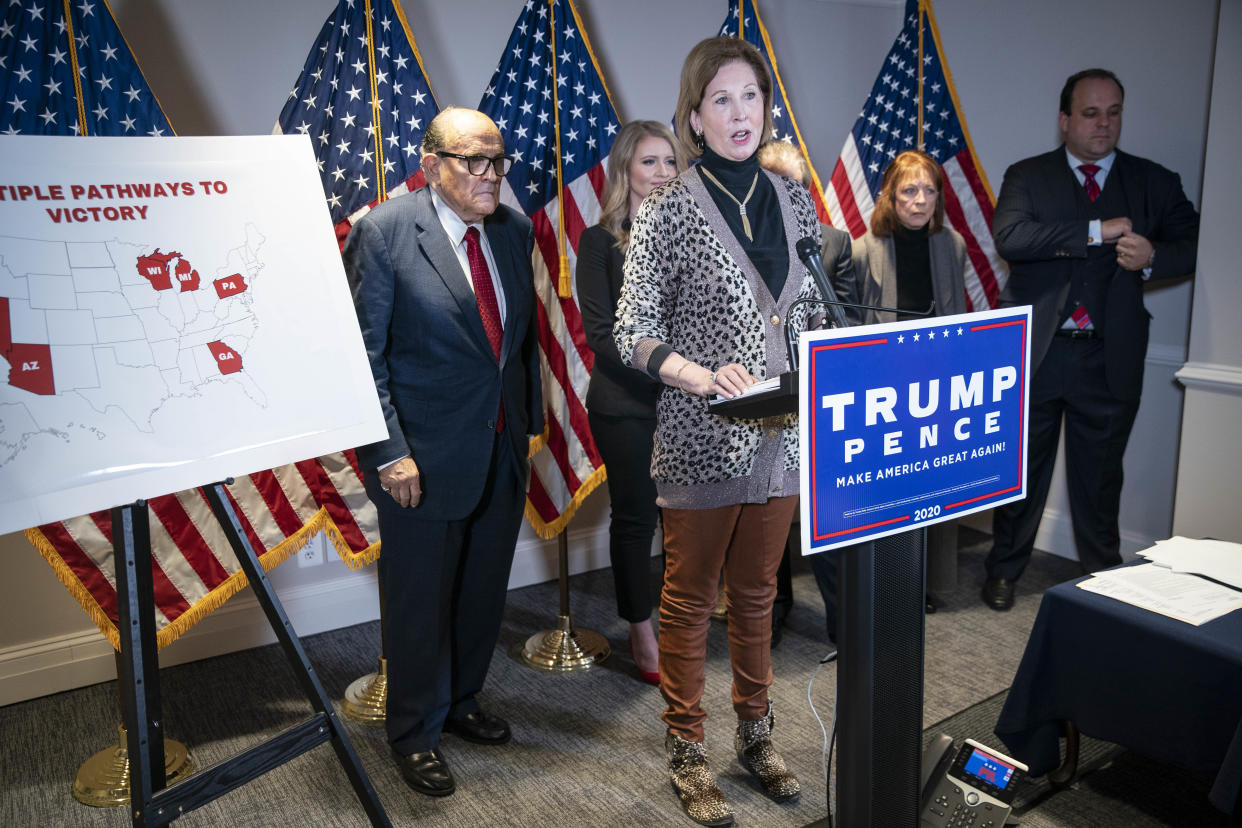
x=1218, y=560
x=1182, y=596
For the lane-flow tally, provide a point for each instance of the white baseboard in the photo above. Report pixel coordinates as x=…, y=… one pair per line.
x=1056, y=534
x=79, y=659
x=535, y=560
x=51, y=665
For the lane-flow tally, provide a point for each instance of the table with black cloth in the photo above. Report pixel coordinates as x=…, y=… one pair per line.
x=1163, y=688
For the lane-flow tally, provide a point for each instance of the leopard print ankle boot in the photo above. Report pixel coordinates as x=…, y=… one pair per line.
x=694, y=782
x=756, y=753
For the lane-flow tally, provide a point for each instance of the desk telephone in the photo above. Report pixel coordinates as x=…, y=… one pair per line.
x=972, y=788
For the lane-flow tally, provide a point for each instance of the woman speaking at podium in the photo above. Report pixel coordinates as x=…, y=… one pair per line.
x=710, y=276
x=621, y=403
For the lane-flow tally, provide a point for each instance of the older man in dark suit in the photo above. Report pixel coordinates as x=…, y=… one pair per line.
x=1083, y=228
x=443, y=288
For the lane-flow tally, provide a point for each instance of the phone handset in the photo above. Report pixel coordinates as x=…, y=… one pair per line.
x=936, y=758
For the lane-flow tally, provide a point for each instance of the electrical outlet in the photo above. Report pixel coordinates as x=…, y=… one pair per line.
x=311, y=554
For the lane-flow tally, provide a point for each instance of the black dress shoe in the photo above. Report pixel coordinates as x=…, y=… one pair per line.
x=427, y=772
x=998, y=593
x=480, y=727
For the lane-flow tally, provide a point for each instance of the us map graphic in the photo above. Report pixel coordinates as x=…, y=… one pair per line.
x=121, y=328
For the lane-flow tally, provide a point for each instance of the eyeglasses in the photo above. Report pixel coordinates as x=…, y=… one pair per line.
x=478, y=164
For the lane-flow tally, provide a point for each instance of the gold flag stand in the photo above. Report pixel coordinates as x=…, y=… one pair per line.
x=366, y=698
x=564, y=649
x=103, y=779
x=559, y=650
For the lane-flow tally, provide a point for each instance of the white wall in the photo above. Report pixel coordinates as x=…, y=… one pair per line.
x=225, y=67
x=1210, y=469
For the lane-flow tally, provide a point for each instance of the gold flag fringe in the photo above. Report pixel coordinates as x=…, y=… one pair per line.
x=80, y=593
x=320, y=522
x=538, y=441
x=551, y=530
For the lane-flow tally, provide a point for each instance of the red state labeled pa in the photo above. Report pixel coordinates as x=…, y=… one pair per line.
x=230, y=285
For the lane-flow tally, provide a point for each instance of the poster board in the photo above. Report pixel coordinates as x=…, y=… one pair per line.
x=173, y=312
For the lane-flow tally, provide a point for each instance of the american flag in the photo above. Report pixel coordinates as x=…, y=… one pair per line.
x=364, y=99
x=890, y=122
x=549, y=99
x=784, y=125
x=51, y=88
x=193, y=567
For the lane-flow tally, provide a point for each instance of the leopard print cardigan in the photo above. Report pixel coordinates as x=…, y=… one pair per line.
x=689, y=285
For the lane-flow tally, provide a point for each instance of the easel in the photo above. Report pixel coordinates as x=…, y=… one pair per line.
x=151, y=803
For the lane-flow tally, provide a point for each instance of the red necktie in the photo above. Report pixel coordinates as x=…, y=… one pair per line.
x=1080, y=317
x=485, y=294
x=1089, y=183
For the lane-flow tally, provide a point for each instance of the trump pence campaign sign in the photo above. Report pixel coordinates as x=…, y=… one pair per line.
x=910, y=423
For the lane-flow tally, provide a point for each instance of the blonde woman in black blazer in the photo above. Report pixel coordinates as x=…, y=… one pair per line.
x=621, y=402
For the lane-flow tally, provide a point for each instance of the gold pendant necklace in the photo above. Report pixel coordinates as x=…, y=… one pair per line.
x=741, y=205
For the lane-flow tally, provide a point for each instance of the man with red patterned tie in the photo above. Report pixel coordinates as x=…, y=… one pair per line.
x=1083, y=228
x=443, y=287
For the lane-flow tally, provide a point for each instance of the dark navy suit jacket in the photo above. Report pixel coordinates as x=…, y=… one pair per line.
x=1040, y=231
x=440, y=384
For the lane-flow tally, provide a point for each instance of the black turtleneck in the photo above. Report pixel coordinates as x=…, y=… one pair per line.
x=769, y=251
x=913, y=254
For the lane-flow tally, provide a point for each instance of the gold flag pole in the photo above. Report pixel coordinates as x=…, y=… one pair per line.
x=366, y=697
x=102, y=780
x=919, y=94
x=381, y=183
x=563, y=649
x=563, y=289
x=77, y=78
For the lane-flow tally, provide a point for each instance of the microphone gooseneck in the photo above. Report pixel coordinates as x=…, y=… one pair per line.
x=808, y=252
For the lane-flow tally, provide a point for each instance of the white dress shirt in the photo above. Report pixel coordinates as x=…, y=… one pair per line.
x=1094, y=235
x=456, y=230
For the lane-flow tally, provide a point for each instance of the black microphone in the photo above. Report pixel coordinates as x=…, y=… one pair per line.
x=808, y=252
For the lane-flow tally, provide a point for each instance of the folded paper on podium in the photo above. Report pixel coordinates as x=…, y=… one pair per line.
x=766, y=398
